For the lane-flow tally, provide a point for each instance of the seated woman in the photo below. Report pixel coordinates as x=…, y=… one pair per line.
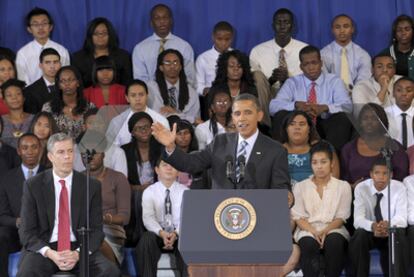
x=298, y=135
x=358, y=155
x=43, y=126
x=16, y=122
x=105, y=90
x=69, y=106
x=402, y=45
x=142, y=154
x=102, y=40
x=115, y=210
x=219, y=102
x=322, y=205
x=7, y=71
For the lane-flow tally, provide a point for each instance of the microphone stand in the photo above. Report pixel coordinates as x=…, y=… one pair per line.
x=387, y=154
x=84, y=231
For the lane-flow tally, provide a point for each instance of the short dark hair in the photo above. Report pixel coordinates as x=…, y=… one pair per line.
x=38, y=11
x=103, y=62
x=161, y=6
x=25, y=135
x=403, y=78
x=380, y=161
x=382, y=55
x=248, y=97
x=12, y=83
x=136, y=82
x=113, y=40
x=342, y=15
x=283, y=11
x=223, y=26
x=308, y=50
x=401, y=18
x=322, y=146
x=46, y=52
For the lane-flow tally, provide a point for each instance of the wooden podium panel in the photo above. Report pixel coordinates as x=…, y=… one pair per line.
x=234, y=270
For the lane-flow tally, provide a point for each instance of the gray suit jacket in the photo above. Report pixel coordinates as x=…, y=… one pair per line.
x=267, y=167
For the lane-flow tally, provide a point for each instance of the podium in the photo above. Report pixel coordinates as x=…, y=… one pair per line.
x=217, y=236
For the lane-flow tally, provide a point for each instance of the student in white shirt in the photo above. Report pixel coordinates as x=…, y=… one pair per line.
x=161, y=210
x=40, y=25
x=371, y=221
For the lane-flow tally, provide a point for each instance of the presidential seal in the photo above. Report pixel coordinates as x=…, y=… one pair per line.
x=235, y=218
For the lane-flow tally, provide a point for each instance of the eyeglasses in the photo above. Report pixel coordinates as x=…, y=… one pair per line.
x=170, y=62
x=39, y=25
x=100, y=34
x=221, y=102
x=67, y=81
x=144, y=128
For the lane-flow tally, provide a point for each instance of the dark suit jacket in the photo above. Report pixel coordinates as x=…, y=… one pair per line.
x=8, y=158
x=36, y=95
x=266, y=168
x=38, y=210
x=11, y=191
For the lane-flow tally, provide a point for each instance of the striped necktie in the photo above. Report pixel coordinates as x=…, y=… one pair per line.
x=241, y=152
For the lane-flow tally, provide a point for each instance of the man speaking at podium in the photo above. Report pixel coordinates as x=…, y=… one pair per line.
x=243, y=160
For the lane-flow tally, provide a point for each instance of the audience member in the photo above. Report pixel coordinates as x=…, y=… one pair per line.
x=115, y=210
x=7, y=71
x=409, y=185
x=402, y=45
x=298, y=135
x=102, y=40
x=161, y=212
x=343, y=57
x=371, y=221
x=43, y=126
x=4, y=51
x=322, y=205
x=8, y=155
x=44, y=89
x=52, y=213
x=136, y=94
x=105, y=90
x=170, y=93
x=206, y=62
x=379, y=88
x=16, y=122
x=220, y=116
x=321, y=95
x=39, y=23
x=358, y=155
x=68, y=107
x=145, y=53
x=11, y=190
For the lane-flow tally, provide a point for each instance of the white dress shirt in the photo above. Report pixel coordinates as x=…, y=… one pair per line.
x=153, y=205
x=190, y=112
x=25, y=170
x=365, y=201
x=250, y=143
x=395, y=123
x=145, y=54
x=265, y=57
x=205, y=134
x=409, y=184
x=27, y=59
x=118, y=131
x=58, y=188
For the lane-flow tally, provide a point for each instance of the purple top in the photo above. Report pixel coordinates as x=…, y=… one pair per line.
x=355, y=166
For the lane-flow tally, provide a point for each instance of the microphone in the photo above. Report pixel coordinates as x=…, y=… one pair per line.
x=229, y=168
x=241, y=161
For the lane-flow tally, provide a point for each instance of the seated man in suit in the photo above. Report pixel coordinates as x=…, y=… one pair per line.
x=379, y=88
x=43, y=89
x=371, y=221
x=11, y=190
x=401, y=113
x=343, y=57
x=161, y=212
x=170, y=93
x=258, y=161
x=321, y=95
x=145, y=53
x=53, y=210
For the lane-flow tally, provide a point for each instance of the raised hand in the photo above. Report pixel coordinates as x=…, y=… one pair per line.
x=165, y=136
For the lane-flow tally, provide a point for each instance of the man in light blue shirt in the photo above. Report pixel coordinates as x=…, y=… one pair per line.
x=321, y=95
x=343, y=57
x=145, y=53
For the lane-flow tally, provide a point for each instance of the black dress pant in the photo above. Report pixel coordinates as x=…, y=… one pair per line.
x=9, y=243
x=149, y=251
x=332, y=254
x=363, y=241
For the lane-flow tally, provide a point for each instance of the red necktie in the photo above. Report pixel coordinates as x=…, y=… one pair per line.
x=64, y=222
x=312, y=98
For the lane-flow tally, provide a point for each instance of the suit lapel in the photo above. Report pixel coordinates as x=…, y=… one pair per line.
x=48, y=188
x=76, y=200
x=257, y=150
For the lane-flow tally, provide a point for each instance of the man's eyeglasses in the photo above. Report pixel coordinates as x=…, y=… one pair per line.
x=39, y=25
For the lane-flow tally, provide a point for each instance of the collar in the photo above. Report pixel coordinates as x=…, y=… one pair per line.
x=156, y=37
x=68, y=179
x=176, y=85
x=26, y=169
x=39, y=45
x=47, y=82
x=373, y=190
x=397, y=111
x=251, y=140
x=338, y=48
x=318, y=81
x=288, y=46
